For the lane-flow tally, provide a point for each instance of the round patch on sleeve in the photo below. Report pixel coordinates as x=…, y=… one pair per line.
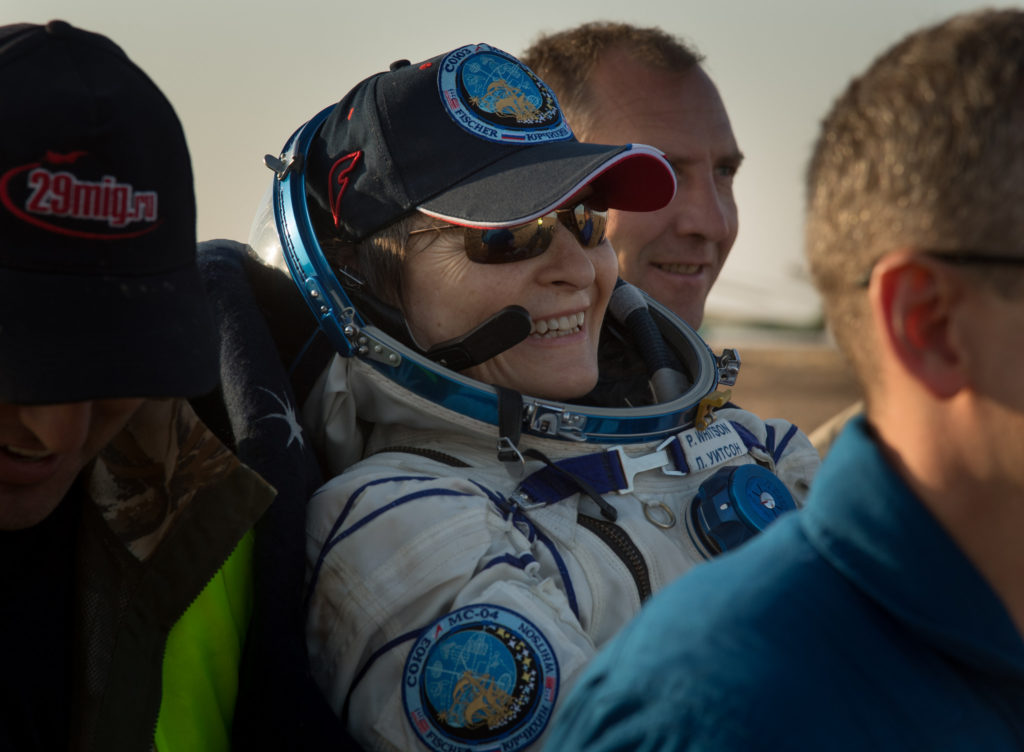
x=480, y=678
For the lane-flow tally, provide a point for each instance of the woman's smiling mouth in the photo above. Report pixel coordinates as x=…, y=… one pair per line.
x=559, y=326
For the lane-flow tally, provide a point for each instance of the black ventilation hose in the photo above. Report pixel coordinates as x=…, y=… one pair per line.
x=628, y=307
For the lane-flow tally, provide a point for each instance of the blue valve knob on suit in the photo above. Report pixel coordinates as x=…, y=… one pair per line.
x=736, y=503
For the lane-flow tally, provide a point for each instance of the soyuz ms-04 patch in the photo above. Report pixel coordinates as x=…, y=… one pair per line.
x=480, y=678
x=494, y=96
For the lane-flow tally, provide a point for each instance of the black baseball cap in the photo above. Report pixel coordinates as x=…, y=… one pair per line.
x=100, y=296
x=472, y=137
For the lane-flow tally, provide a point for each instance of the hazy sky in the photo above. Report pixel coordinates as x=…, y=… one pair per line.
x=244, y=74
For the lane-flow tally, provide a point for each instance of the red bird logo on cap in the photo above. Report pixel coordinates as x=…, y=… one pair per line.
x=338, y=181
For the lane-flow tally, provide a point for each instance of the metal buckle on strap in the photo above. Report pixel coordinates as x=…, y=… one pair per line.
x=658, y=459
x=522, y=501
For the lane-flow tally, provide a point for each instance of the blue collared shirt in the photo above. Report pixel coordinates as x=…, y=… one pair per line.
x=855, y=624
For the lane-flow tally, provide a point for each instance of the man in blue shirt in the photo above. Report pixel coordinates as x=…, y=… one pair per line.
x=887, y=614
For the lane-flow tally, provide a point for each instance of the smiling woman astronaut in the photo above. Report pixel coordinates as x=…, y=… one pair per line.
x=523, y=447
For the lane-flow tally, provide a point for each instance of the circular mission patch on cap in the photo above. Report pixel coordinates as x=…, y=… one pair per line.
x=480, y=678
x=494, y=96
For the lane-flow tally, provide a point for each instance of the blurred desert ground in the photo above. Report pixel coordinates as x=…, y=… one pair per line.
x=796, y=374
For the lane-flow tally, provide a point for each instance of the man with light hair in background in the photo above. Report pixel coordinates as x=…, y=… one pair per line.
x=619, y=83
x=888, y=613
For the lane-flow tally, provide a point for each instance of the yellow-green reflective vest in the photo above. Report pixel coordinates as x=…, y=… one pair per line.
x=202, y=661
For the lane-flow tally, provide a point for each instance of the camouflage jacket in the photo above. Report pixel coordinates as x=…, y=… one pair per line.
x=170, y=504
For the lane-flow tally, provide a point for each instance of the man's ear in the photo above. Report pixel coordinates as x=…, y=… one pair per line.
x=915, y=300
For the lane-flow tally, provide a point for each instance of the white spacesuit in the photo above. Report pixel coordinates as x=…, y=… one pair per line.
x=426, y=539
x=476, y=546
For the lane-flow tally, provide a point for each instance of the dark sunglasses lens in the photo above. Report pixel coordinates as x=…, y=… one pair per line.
x=588, y=225
x=508, y=244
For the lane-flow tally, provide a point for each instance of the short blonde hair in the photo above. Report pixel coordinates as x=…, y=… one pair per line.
x=564, y=61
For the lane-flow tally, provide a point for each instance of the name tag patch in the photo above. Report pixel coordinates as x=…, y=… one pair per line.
x=717, y=444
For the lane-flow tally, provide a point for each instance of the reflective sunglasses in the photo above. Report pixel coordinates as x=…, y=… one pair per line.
x=503, y=245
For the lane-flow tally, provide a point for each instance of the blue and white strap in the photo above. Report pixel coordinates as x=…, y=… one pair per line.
x=614, y=470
